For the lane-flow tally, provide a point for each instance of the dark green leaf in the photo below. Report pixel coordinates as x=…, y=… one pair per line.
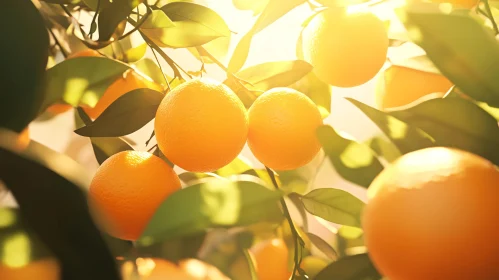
x=112, y=15
x=322, y=245
x=24, y=60
x=354, y=161
x=334, y=205
x=357, y=267
x=53, y=202
x=212, y=203
x=104, y=147
x=81, y=80
x=194, y=25
x=456, y=122
x=126, y=115
x=273, y=11
x=275, y=74
x=407, y=138
x=151, y=69
x=463, y=50
x=175, y=249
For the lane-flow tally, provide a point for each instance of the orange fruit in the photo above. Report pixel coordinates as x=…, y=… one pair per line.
x=127, y=189
x=347, y=48
x=130, y=80
x=201, y=125
x=58, y=108
x=271, y=259
x=400, y=86
x=44, y=269
x=282, y=126
x=23, y=139
x=84, y=53
x=432, y=215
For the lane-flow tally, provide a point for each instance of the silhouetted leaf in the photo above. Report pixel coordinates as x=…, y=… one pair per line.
x=322, y=245
x=354, y=161
x=194, y=25
x=274, y=74
x=407, y=138
x=334, y=205
x=112, y=15
x=463, y=50
x=104, y=147
x=81, y=80
x=49, y=188
x=455, y=122
x=356, y=267
x=126, y=115
x=24, y=58
x=214, y=202
x=317, y=90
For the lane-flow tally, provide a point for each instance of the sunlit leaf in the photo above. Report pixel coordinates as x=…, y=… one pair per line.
x=322, y=245
x=240, y=53
x=247, y=96
x=56, y=210
x=149, y=68
x=350, y=232
x=455, y=122
x=420, y=62
x=194, y=25
x=407, y=138
x=383, y=148
x=112, y=15
x=334, y=205
x=275, y=74
x=463, y=50
x=81, y=80
x=256, y=6
x=157, y=19
x=126, y=115
x=354, y=267
x=213, y=203
x=92, y=4
x=24, y=58
x=189, y=177
x=317, y=90
x=237, y=166
x=354, y=161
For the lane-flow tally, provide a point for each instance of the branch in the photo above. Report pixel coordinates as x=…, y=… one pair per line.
x=490, y=15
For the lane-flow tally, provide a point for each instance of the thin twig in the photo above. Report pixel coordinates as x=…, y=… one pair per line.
x=490, y=15
x=161, y=68
x=294, y=232
x=94, y=19
x=137, y=26
x=58, y=43
x=202, y=51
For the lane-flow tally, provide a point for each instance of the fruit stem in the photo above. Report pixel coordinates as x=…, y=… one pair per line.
x=297, y=239
x=490, y=15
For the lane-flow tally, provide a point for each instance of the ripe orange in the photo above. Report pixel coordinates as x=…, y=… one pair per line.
x=400, y=86
x=282, y=125
x=347, y=48
x=131, y=80
x=432, y=215
x=271, y=259
x=201, y=125
x=46, y=269
x=127, y=189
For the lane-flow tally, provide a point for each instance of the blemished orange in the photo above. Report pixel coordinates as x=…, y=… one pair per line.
x=46, y=269
x=130, y=80
x=201, y=125
x=127, y=189
x=400, y=86
x=432, y=215
x=271, y=257
x=282, y=129
x=347, y=48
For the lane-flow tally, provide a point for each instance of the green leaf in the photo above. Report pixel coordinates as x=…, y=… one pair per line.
x=251, y=265
x=247, y=96
x=236, y=167
x=92, y=4
x=383, y=148
x=296, y=200
x=81, y=80
x=275, y=74
x=189, y=177
x=126, y=115
x=322, y=245
x=420, y=62
x=56, y=210
x=62, y=1
x=112, y=15
x=24, y=60
x=175, y=249
x=194, y=25
x=149, y=68
x=356, y=267
x=407, y=138
x=353, y=161
x=157, y=19
x=317, y=90
x=463, y=50
x=334, y=205
x=274, y=10
x=456, y=122
x=104, y=147
x=213, y=203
